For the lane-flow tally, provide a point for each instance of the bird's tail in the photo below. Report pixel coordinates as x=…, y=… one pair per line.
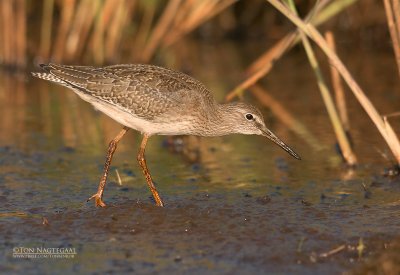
x=46, y=75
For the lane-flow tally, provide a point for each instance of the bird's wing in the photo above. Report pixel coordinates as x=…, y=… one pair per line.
x=163, y=79
x=143, y=90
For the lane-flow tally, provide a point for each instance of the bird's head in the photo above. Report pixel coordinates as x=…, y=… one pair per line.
x=247, y=119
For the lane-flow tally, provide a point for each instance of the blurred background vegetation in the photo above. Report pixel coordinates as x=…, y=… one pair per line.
x=131, y=31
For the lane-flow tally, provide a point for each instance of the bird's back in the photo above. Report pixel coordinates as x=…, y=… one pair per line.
x=143, y=90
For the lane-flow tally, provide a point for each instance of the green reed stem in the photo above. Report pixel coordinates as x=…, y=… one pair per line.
x=343, y=141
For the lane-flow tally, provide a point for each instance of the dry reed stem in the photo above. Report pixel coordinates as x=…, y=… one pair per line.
x=13, y=214
x=333, y=251
x=118, y=177
x=341, y=136
x=160, y=29
x=67, y=13
x=392, y=14
x=203, y=12
x=183, y=12
x=392, y=114
x=396, y=13
x=391, y=133
x=265, y=98
x=45, y=31
x=200, y=10
x=184, y=19
x=72, y=40
x=7, y=19
x=101, y=21
x=98, y=40
x=143, y=31
x=337, y=86
x=390, y=138
x=273, y=53
x=270, y=54
x=114, y=30
x=92, y=11
x=81, y=24
x=20, y=29
x=2, y=38
x=264, y=63
x=122, y=13
x=252, y=79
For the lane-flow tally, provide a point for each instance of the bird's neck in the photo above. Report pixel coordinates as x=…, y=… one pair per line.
x=221, y=121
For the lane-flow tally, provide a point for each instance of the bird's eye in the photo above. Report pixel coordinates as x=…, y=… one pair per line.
x=249, y=117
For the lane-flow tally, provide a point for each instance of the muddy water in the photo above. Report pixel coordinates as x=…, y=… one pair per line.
x=236, y=204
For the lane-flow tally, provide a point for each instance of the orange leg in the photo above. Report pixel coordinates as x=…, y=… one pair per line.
x=111, y=149
x=142, y=161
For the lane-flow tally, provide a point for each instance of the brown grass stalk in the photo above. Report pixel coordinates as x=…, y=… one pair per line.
x=46, y=29
x=20, y=33
x=281, y=45
x=200, y=10
x=277, y=51
x=183, y=12
x=143, y=31
x=102, y=21
x=273, y=53
x=67, y=13
x=160, y=29
x=7, y=21
x=118, y=22
x=341, y=136
x=203, y=13
x=2, y=38
x=393, y=17
x=389, y=136
x=396, y=13
x=392, y=137
x=198, y=15
x=260, y=67
x=13, y=33
x=108, y=29
x=338, y=86
x=81, y=25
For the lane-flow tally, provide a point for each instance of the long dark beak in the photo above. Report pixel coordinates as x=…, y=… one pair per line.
x=267, y=133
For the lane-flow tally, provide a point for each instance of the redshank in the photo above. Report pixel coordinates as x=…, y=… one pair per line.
x=156, y=101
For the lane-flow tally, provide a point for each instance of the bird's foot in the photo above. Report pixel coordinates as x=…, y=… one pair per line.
x=98, y=201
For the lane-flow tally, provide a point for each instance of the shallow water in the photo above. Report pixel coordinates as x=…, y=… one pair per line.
x=235, y=204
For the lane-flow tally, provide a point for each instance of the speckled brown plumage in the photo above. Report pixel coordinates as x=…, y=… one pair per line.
x=143, y=90
x=156, y=101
